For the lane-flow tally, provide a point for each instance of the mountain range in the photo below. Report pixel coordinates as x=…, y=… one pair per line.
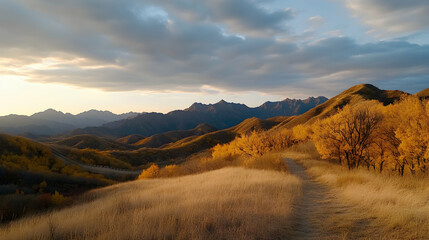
x=51, y=122
x=220, y=115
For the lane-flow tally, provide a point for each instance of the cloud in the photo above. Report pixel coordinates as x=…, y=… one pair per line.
x=392, y=17
x=243, y=16
x=316, y=21
x=183, y=46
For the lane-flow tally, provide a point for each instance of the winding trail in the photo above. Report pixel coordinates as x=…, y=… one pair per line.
x=318, y=214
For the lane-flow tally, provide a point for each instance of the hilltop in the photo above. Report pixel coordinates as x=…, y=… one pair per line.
x=353, y=95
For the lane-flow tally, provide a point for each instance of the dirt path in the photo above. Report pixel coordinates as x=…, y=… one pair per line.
x=318, y=215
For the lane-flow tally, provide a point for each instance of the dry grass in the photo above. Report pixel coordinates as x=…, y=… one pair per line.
x=204, y=162
x=393, y=207
x=230, y=203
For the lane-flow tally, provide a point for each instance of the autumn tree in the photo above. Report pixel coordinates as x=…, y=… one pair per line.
x=151, y=172
x=302, y=132
x=348, y=135
x=411, y=127
x=255, y=144
x=385, y=148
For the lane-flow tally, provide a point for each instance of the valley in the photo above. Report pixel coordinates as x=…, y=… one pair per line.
x=292, y=173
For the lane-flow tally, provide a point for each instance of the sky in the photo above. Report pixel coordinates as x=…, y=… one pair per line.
x=159, y=55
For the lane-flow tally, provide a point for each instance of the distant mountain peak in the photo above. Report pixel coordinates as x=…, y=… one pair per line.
x=51, y=121
x=48, y=112
x=51, y=110
x=96, y=111
x=196, y=107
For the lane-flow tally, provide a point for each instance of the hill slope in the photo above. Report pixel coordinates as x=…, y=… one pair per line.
x=159, y=140
x=130, y=139
x=173, y=151
x=423, y=94
x=231, y=203
x=352, y=96
x=93, y=142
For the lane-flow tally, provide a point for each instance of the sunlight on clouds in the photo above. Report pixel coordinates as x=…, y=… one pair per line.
x=388, y=19
x=29, y=97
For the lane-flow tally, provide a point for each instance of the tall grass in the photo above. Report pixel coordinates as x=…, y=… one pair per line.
x=230, y=203
x=395, y=207
x=257, y=150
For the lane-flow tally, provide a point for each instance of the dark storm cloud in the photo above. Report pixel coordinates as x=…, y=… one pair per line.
x=186, y=44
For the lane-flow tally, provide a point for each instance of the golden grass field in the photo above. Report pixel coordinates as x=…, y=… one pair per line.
x=230, y=203
x=380, y=206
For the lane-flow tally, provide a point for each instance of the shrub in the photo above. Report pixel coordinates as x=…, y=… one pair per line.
x=151, y=172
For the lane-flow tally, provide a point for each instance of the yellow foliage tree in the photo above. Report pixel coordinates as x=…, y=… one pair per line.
x=151, y=172
x=303, y=132
x=255, y=144
x=349, y=134
x=411, y=117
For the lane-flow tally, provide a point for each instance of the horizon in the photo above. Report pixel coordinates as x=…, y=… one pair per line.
x=104, y=110
x=159, y=56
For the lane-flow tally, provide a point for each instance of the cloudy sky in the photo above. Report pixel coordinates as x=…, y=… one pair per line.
x=160, y=55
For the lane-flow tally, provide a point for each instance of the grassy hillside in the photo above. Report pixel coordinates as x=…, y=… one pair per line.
x=231, y=203
x=351, y=96
x=93, y=142
x=423, y=94
x=30, y=175
x=172, y=152
x=95, y=157
x=130, y=139
x=158, y=140
x=223, y=136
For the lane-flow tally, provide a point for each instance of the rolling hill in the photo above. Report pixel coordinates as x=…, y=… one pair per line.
x=162, y=148
x=131, y=139
x=221, y=115
x=131, y=142
x=30, y=172
x=158, y=140
x=93, y=142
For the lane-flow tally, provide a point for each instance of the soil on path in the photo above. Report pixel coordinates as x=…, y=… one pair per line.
x=318, y=213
